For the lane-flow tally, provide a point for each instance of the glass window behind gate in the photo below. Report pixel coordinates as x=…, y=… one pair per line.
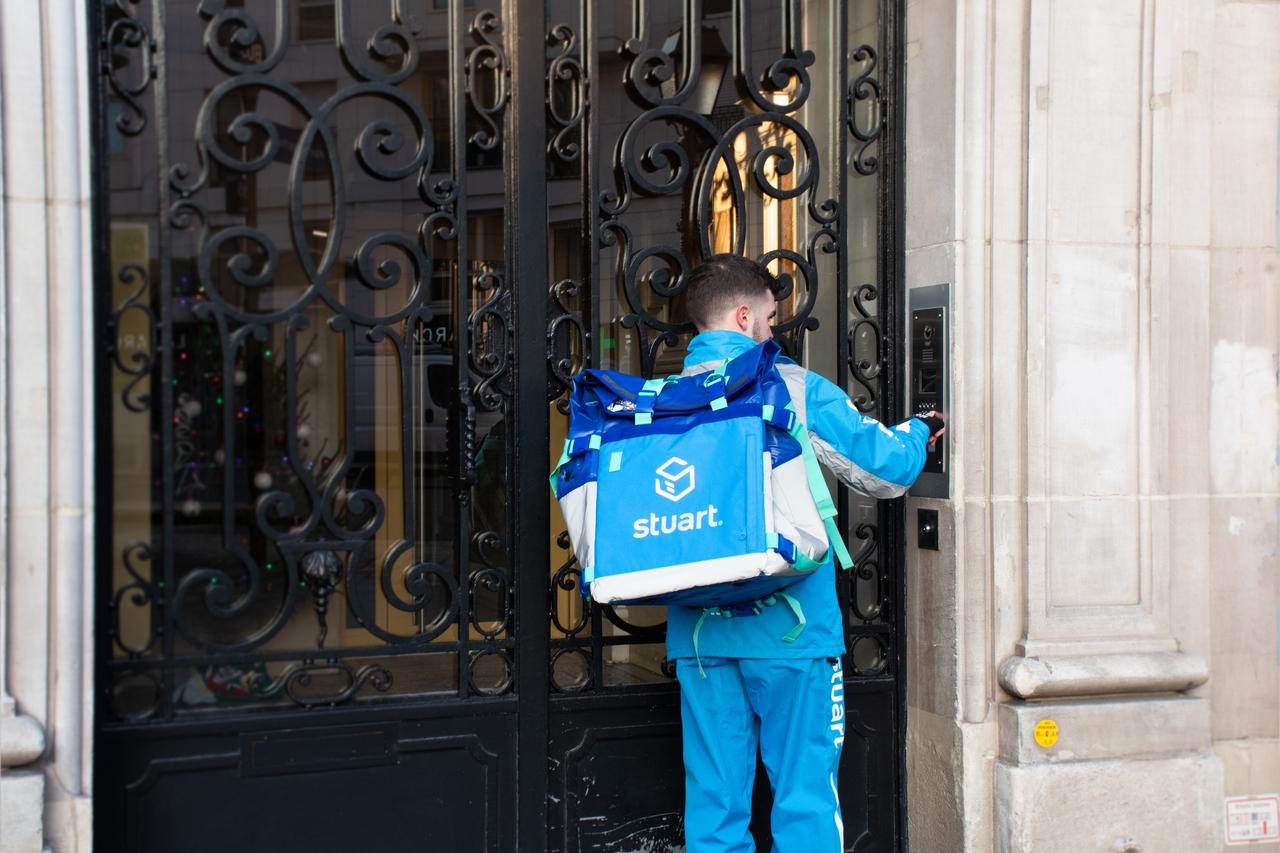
x=303, y=276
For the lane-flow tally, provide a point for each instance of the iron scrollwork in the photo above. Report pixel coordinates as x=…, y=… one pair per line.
x=568, y=340
x=492, y=578
x=567, y=578
x=867, y=594
x=142, y=594
x=126, y=34
x=296, y=681
x=868, y=587
x=491, y=334
x=865, y=349
x=490, y=684
x=317, y=515
x=866, y=88
x=132, y=353
x=308, y=526
x=565, y=75
x=866, y=567
x=487, y=59
x=571, y=668
x=672, y=150
x=689, y=165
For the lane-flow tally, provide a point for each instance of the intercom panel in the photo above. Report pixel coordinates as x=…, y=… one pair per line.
x=930, y=375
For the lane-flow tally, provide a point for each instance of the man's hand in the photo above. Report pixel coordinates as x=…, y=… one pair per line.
x=934, y=433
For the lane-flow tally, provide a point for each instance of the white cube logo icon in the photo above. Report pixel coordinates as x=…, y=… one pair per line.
x=675, y=479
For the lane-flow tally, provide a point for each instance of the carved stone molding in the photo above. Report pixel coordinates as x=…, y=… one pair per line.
x=1093, y=675
x=21, y=737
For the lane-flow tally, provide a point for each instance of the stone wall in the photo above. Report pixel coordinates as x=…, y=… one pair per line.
x=1236, y=358
x=1098, y=182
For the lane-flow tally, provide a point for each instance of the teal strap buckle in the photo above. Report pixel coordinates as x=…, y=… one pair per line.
x=802, y=562
x=786, y=419
x=714, y=379
x=647, y=399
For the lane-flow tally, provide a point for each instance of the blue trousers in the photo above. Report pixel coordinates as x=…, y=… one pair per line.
x=794, y=711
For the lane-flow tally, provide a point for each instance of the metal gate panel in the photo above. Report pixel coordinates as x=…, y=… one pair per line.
x=349, y=257
x=308, y=347
x=675, y=131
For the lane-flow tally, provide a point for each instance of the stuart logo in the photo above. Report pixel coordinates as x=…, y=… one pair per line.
x=675, y=479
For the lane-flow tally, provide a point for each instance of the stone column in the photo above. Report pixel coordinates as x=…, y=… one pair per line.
x=22, y=739
x=1060, y=176
x=1119, y=213
x=48, y=445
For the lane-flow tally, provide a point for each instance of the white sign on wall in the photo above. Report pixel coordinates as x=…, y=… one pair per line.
x=1253, y=820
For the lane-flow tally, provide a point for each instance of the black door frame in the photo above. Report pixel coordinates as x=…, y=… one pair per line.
x=528, y=244
x=893, y=205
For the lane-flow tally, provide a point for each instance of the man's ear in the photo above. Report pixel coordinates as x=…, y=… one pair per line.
x=742, y=317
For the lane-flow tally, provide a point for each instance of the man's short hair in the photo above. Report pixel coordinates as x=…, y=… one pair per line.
x=723, y=281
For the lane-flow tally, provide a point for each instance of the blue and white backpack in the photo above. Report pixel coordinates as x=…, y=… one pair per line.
x=695, y=490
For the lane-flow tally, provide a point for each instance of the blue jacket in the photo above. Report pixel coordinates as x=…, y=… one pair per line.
x=868, y=456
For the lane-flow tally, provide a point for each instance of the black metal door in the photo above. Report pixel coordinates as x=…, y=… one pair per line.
x=350, y=255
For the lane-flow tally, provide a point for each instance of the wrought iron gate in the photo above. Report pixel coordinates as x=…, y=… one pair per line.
x=350, y=255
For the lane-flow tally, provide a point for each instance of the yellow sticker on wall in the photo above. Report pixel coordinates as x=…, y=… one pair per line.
x=1046, y=733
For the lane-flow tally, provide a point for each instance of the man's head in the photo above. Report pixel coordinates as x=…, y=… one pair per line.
x=734, y=293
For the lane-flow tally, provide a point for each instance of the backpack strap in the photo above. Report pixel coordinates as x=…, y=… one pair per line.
x=697, y=630
x=574, y=447
x=787, y=420
x=755, y=608
x=818, y=488
x=794, y=634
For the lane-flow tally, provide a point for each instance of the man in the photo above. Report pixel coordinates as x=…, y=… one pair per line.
x=753, y=688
